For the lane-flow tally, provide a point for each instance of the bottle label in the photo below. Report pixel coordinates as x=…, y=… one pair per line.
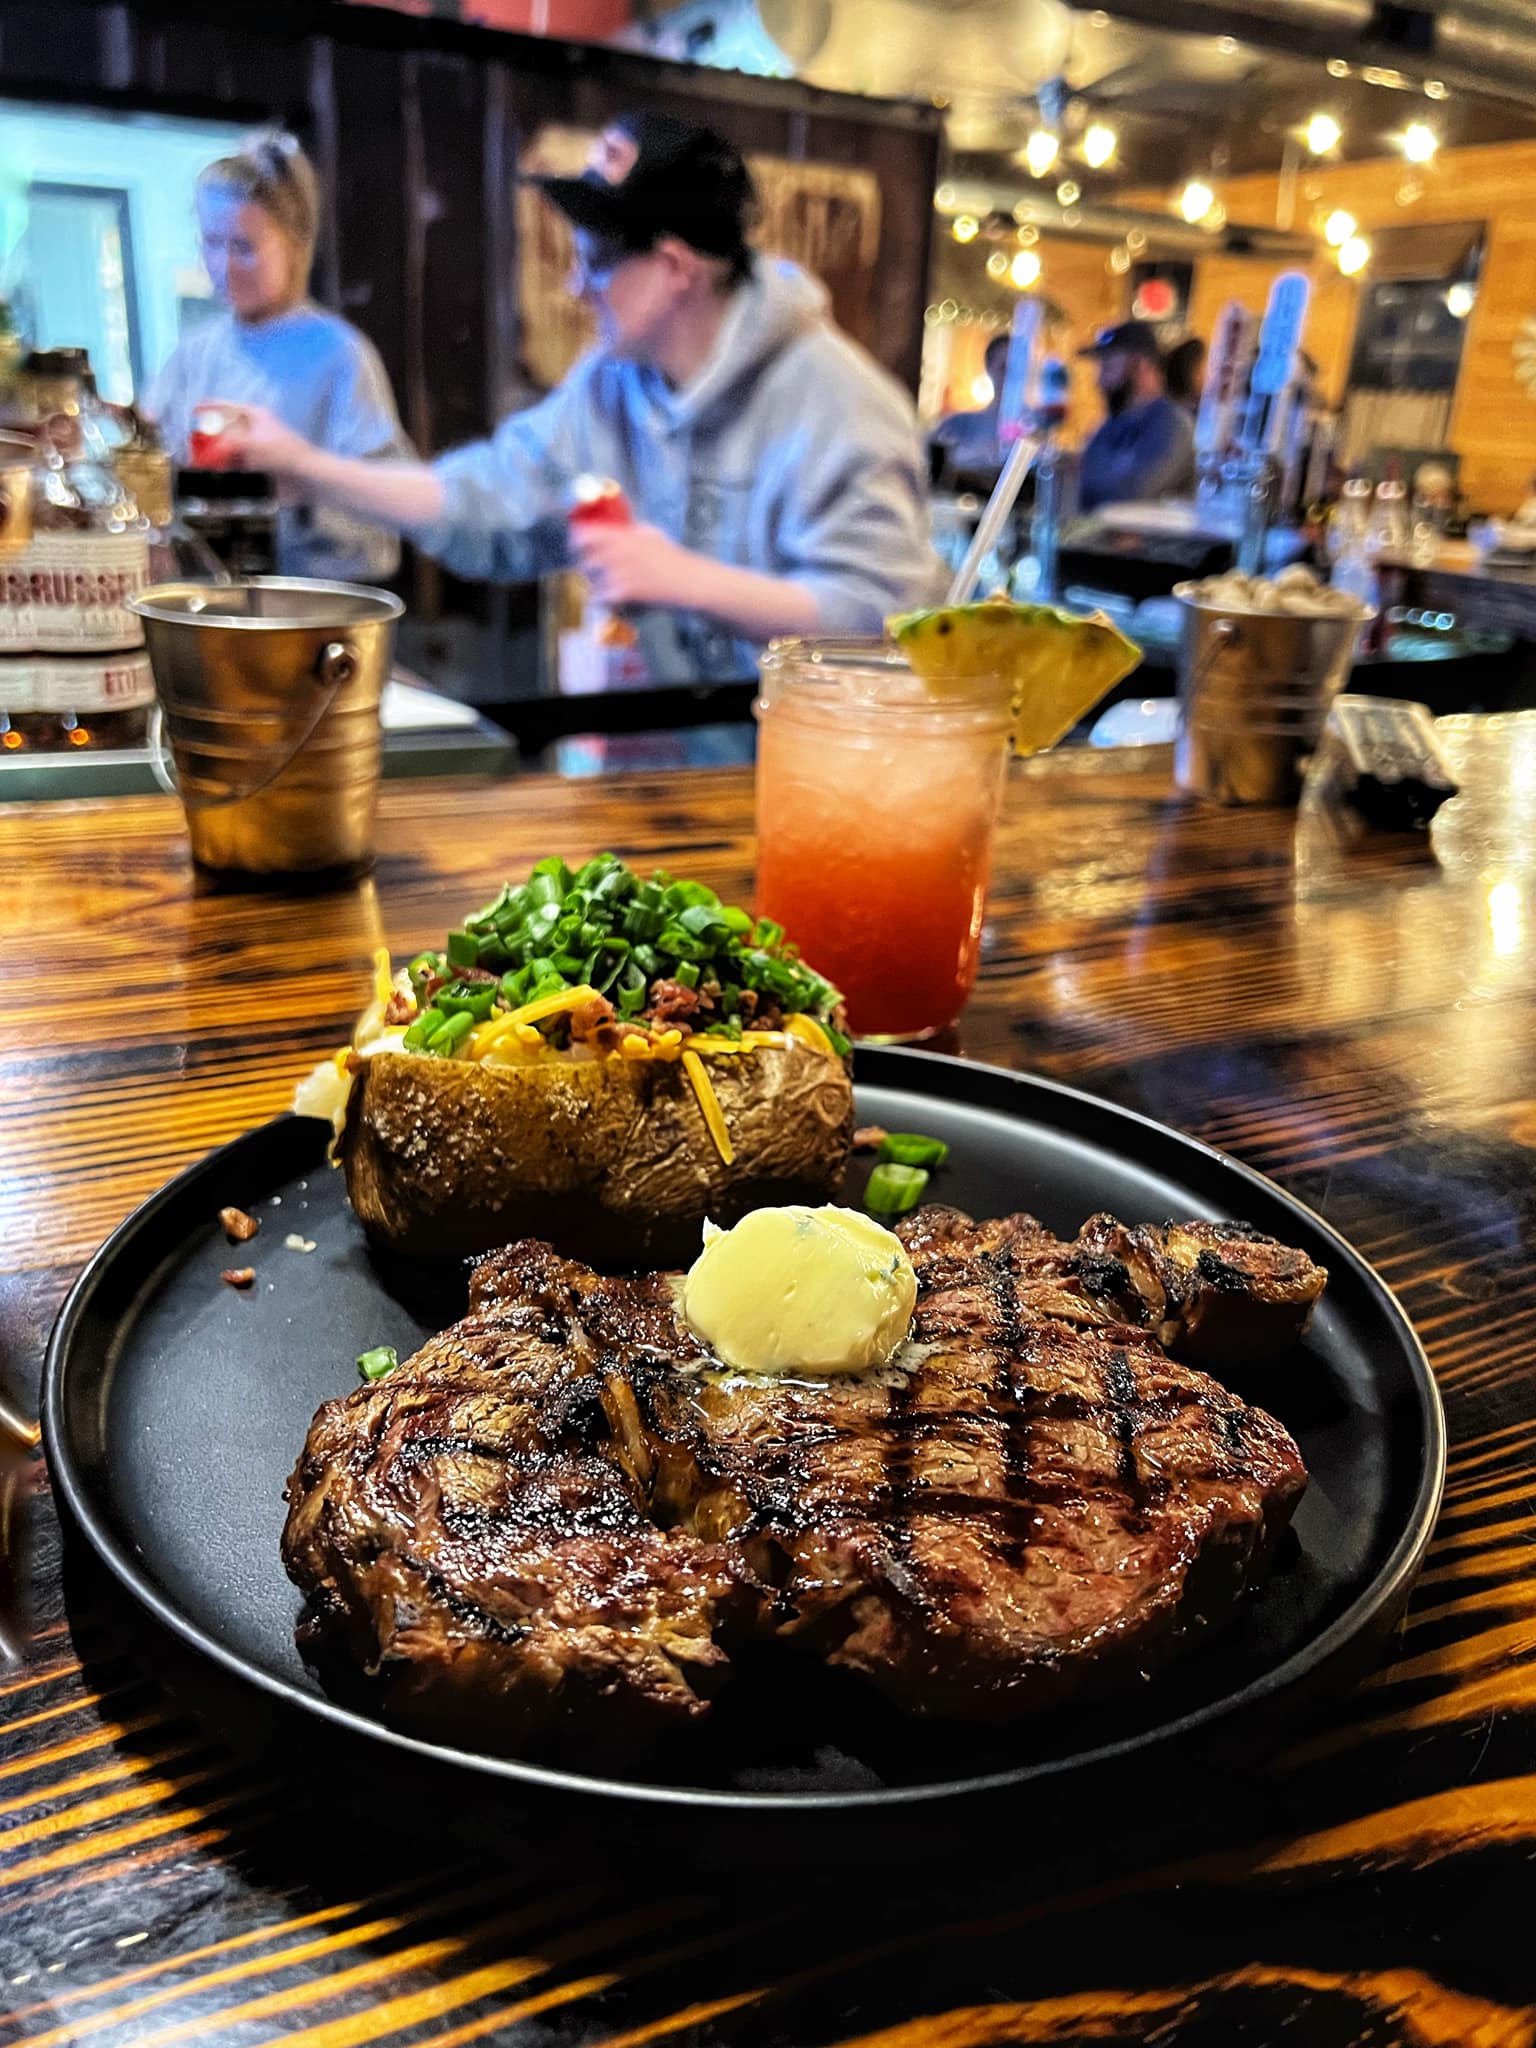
x=17, y=687
x=77, y=586
x=124, y=683
x=16, y=601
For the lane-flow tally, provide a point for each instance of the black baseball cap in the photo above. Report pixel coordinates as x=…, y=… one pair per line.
x=656, y=176
x=1131, y=337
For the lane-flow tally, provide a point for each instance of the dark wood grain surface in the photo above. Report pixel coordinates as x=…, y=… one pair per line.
x=1357, y=1023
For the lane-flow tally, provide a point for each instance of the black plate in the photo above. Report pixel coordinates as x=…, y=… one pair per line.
x=174, y=1408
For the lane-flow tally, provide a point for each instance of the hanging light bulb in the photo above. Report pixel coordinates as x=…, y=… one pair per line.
x=1196, y=201
x=1419, y=142
x=1354, y=255
x=1460, y=300
x=1119, y=261
x=997, y=264
x=966, y=228
x=1025, y=269
x=1040, y=152
x=1338, y=228
x=1323, y=134
x=1068, y=192
x=1099, y=146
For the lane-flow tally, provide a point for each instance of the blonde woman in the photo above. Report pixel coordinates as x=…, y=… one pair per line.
x=259, y=213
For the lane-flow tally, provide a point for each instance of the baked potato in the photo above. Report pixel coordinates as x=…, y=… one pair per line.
x=610, y=1159
x=596, y=1060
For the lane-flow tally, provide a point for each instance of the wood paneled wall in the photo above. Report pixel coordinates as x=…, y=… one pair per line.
x=1493, y=423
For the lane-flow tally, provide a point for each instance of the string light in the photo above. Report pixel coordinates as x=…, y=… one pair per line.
x=1040, y=152
x=1419, y=142
x=1099, y=145
x=1196, y=201
x=1323, y=134
x=966, y=228
x=1460, y=300
x=997, y=264
x=1354, y=255
x=1119, y=261
x=1025, y=269
x=1436, y=89
x=1339, y=227
x=1068, y=192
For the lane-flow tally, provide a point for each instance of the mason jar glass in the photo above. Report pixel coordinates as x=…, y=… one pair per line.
x=876, y=803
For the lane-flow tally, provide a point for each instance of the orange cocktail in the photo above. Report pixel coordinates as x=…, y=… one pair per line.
x=875, y=809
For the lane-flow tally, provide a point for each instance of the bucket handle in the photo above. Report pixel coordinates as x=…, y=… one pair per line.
x=335, y=666
x=1224, y=633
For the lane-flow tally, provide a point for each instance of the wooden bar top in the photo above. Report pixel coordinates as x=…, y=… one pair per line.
x=1360, y=1024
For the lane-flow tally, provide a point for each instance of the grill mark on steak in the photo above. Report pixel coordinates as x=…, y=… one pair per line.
x=1121, y=1388
x=542, y=1521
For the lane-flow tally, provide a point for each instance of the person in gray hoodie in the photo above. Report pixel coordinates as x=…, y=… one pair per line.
x=775, y=472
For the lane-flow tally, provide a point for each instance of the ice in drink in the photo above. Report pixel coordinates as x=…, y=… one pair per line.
x=875, y=813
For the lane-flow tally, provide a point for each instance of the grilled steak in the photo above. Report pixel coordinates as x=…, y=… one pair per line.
x=558, y=1514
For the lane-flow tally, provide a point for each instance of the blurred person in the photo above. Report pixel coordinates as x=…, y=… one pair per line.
x=1145, y=448
x=966, y=452
x=258, y=214
x=1184, y=372
x=774, y=471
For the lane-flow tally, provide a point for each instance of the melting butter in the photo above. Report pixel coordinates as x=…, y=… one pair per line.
x=803, y=1292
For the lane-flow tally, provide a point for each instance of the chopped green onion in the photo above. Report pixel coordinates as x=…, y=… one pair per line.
x=602, y=924
x=893, y=1190
x=374, y=1364
x=473, y=997
x=428, y=1022
x=910, y=1148
x=448, y=1037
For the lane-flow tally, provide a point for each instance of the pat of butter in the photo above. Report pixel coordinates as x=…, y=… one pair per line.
x=803, y=1291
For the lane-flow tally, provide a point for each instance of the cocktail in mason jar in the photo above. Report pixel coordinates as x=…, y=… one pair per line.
x=878, y=784
x=875, y=808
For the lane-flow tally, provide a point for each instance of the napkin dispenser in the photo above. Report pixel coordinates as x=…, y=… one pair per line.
x=1378, y=759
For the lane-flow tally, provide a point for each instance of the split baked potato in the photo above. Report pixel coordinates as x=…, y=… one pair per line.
x=596, y=1060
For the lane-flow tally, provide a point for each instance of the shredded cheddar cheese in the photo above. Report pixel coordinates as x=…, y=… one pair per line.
x=809, y=1032
x=530, y=1013
x=709, y=1106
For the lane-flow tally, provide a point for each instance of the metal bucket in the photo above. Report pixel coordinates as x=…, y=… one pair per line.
x=268, y=694
x=1255, y=688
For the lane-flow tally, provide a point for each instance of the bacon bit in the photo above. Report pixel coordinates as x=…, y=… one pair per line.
x=869, y=1138
x=673, y=1003
x=400, y=1009
x=594, y=1023
x=237, y=1225
x=238, y=1276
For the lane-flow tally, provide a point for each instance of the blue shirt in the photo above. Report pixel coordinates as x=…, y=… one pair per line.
x=322, y=378
x=1147, y=451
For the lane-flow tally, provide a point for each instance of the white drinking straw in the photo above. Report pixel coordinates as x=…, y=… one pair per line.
x=999, y=505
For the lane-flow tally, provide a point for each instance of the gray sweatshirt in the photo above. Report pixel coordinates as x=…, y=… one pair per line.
x=790, y=453
x=322, y=378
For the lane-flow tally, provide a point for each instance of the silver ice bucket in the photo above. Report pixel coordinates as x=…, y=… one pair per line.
x=267, y=718
x=1254, y=690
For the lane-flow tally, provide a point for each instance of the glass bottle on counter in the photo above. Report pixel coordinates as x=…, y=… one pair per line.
x=73, y=670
